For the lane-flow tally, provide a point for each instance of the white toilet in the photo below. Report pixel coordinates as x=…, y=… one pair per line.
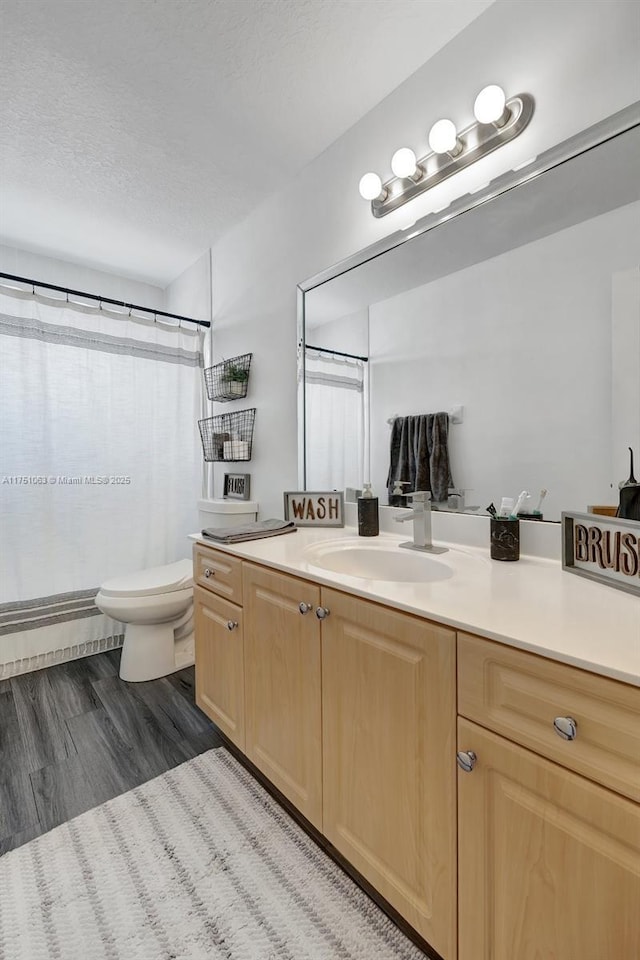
x=156, y=605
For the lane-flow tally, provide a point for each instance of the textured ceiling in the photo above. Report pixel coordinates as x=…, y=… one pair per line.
x=134, y=133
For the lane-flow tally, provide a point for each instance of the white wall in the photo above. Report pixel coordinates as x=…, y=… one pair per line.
x=523, y=342
x=578, y=59
x=61, y=273
x=625, y=395
x=349, y=334
x=189, y=295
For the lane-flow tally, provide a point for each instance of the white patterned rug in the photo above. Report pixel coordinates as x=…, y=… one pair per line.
x=199, y=863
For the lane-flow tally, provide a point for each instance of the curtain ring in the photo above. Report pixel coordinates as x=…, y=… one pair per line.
x=130, y=309
x=33, y=289
x=100, y=305
x=155, y=317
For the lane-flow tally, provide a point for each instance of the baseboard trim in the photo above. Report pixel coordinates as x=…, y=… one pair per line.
x=74, y=652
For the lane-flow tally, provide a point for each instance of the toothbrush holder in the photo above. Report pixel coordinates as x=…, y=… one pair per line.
x=505, y=538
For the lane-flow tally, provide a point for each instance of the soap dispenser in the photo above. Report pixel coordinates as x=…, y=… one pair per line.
x=396, y=497
x=368, y=523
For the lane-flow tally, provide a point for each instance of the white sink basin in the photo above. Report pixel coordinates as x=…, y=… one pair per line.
x=379, y=561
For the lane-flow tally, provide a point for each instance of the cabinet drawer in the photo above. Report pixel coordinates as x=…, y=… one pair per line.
x=519, y=695
x=219, y=572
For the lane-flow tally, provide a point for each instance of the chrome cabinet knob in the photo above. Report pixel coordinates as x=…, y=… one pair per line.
x=304, y=607
x=466, y=760
x=232, y=624
x=208, y=573
x=322, y=613
x=566, y=727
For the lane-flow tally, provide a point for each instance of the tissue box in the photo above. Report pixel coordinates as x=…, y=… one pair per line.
x=236, y=450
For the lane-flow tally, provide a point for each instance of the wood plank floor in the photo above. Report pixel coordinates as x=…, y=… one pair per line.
x=75, y=735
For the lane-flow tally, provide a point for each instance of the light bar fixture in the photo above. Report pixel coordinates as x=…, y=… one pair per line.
x=498, y=121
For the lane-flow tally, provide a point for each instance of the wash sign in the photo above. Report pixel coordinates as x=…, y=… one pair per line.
x=314, y=509
x=602, y=548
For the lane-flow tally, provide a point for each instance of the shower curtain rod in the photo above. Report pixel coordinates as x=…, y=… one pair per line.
x=92, y=296
x=337, y=353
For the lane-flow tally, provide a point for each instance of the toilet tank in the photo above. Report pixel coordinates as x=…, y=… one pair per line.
x=226, y=513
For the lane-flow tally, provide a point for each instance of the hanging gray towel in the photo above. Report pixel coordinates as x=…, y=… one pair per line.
x=420, y=454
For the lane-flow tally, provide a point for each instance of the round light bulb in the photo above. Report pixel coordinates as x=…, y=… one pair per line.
x=443, y=137
x=370, y=186
x=403, y=162
x=490, y=104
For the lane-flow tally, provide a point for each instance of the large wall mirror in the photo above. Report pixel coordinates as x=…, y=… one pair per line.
x=517, y=318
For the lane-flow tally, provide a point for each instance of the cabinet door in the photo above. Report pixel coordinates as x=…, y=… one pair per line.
x=549, y=862
x=388, y=707
x=282, y=685
x=220, y=663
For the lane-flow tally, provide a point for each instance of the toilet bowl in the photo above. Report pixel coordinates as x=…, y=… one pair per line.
x=156, y=606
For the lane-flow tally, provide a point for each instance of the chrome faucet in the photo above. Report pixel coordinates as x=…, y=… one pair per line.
x=421, y=516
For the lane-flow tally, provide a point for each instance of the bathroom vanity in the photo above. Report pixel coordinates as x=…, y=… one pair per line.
x=355, y=697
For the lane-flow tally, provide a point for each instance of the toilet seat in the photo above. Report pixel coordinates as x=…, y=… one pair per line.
x=154, y=582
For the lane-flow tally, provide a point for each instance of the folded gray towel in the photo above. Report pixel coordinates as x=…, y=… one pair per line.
x=249, y=531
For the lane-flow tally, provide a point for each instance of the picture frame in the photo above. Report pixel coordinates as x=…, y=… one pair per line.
x=604, y=549
x=236, y=486
x=317, y=508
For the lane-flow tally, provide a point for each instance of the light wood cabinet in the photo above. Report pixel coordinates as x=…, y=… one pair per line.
x=220, y=663
x=282, y=685
x=388, y=703
x=353, y=718
x=520, y=695
x=218, y=571
x=549, y=862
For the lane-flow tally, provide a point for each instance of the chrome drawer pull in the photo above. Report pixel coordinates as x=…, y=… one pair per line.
x=232, y=624
x=566, y=727
x=209, y=573
x=322, y=613
x=304, y=607
x=466, y=760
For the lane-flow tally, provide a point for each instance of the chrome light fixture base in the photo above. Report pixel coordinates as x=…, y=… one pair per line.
x=478, y=140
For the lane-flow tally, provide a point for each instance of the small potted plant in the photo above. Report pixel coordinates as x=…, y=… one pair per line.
x=235, y=380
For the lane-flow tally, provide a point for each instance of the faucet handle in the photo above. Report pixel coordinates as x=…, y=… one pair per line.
x=419, y=496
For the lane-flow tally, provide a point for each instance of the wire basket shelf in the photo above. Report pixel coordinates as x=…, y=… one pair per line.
x=229, y=436
x=228, y=380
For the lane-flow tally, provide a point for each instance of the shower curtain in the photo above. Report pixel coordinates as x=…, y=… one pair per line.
x=100, y=466
x=335, y=421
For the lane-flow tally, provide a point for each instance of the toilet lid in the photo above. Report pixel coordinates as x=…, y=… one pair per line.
x=152, y=582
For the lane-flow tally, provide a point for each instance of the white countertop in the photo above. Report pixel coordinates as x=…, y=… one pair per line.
x=532, y=603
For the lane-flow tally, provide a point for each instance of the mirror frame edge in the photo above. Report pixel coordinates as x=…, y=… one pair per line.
x=302, y=396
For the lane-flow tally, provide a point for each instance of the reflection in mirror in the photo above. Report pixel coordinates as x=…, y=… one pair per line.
x=522, y=312
x=337, y=403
